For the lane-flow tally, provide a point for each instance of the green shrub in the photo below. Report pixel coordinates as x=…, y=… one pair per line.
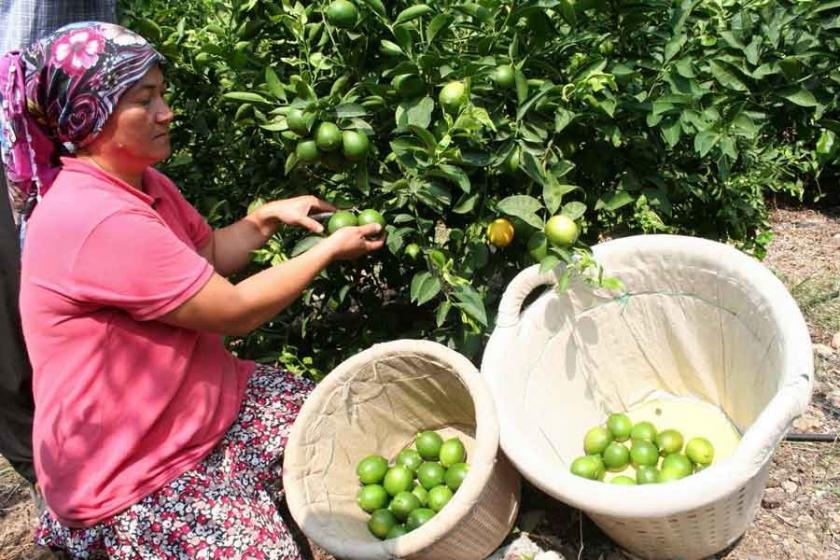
x=645, y=116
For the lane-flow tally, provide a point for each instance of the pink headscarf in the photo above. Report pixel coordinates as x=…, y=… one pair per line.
x=56, y=97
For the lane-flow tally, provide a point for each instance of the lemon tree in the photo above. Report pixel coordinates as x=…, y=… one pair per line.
x=618, y=117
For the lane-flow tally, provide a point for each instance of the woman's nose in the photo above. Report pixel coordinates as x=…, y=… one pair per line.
x=165, y=114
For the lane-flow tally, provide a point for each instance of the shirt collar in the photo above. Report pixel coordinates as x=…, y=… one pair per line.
x=76, y=165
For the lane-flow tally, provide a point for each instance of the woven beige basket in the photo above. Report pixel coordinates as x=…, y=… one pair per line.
x=699, y=319
x=375, y=402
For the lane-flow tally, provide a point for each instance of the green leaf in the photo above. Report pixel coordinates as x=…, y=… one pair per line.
x=562, y=119
x=826, y=6
x=425, y=136
x=412, y=13
x=390, y=48
x=553, y=192
x=800, y=96
x=377, y=6
x=567, y=10
x=523, y=109
x=438, y=24
x=442, y=311
x=349, y=110
x=521, y=86
x=674, y=46
x=574, y=209
x=705, y=141
x=291, y=161
x=396, y=238
x=466, y=203
x=684, y=68
x=273, y=83
x=457, y=175
x=616, y=201
x=424, y=287
x=523, y=207
x=362, y=179
x=305, y=244
x=246, y=96
x=548, y=264
x=417, y=112
x=472, y=304
x=724, y=74
x=671, y=131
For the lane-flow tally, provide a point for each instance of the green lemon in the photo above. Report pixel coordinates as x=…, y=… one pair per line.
x=623, y=481
x=409, y=86
x=372, y=497
x=342, y=14
x=670, y=474
x=453, y=96
x=504, y=76
x=328, y=137
x=679, y=462
x=620, y=426
x=398, y=479
x=381, y=522
x=404, y=503
x=307, y=151
x=372, y=469
x=601, y=471
x=616, y=456
x=511, y=163
x=669, y=441
x=455, y=475
x=538, y=246
x=596, y=440
x=560, y=230
x=586, y=467
x=410, y=459
x=643, y=431
x=439, y=496
x=412, y=250
x=431, y=474
x=396, y=532
x=354, y=145
x=452, y=451
x=700, y=451
x=418, y=517
x=341, y=219
x=647, y=475
x=644, y=453
x=421, y=493
x=296, y=120
x=428, y=443
x=370, y=216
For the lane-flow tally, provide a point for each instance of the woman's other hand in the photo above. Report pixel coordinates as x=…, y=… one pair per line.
x=352, y=242
x=291, y=211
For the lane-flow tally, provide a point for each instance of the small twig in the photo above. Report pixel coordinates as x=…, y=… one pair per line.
x=825, y=437
x=783, y=520
x=580, y=533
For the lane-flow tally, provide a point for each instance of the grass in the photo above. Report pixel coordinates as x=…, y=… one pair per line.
x=819, y=298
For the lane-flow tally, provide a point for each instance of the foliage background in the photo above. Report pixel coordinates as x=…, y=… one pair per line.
x=630, y=116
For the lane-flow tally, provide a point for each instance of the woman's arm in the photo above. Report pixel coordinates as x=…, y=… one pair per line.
x=238, y=309
x=229, y=249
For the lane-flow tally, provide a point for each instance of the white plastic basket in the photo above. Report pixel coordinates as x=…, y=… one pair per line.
x=376, y=402
x=698, y=319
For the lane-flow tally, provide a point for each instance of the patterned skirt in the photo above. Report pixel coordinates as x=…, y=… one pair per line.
x=228, y=506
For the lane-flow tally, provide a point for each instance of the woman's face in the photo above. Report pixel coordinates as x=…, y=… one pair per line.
x=137, y=133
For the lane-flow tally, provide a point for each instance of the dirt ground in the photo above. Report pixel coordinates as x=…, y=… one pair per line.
x=799, y=517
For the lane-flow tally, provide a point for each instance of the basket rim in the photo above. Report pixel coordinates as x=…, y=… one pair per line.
x=710, y=485
x=482, y=457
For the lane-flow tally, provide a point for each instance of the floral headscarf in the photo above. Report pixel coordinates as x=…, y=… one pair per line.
x=56, y=96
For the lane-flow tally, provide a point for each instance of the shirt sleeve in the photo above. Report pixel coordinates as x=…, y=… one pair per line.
x=133, y=261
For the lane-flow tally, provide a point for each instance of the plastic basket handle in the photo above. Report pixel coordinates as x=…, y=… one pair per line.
x=519, y=288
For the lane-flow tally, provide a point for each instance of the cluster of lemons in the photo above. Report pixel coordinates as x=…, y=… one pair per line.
x=406, y=494
x=655, y=456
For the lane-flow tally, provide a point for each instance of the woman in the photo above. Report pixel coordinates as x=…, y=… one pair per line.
x=150, y=439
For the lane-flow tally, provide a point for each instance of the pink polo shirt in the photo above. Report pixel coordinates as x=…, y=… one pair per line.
x=124, y=403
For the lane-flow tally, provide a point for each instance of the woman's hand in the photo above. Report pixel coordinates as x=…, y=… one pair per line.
x=352, y=242
x=291, y=211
